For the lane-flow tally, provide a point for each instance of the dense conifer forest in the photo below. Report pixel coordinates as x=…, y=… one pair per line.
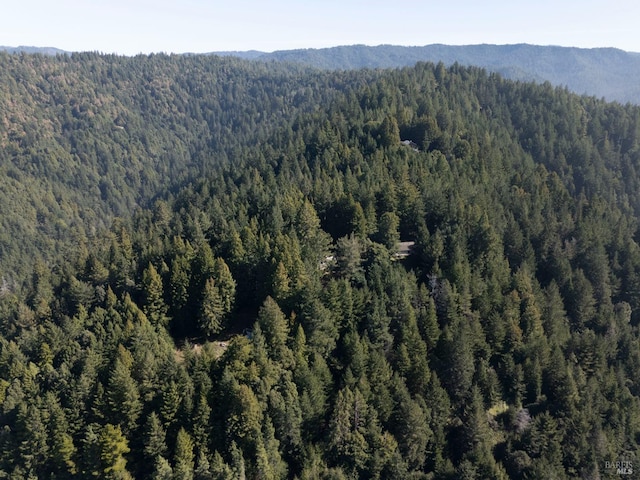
x=201, y=275
x=604, y=72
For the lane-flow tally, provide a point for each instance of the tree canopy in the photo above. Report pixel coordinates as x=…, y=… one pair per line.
x=200, y=274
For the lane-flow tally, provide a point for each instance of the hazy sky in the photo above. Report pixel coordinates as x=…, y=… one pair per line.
x=143, y=26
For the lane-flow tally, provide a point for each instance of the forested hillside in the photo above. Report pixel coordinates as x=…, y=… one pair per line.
x=608, y=73
x=602, y=72
x=252, y=318
x=87, y=137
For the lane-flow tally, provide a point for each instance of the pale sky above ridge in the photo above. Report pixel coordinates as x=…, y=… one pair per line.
x=129, y=27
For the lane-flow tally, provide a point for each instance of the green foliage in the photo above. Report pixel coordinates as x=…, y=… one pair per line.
x=579, y=69
x=122, y=395
x=183, y=457
x=254, y=319
x=154, y=439
x=113, y=447
x=153, y=303
x=211, y=309
x=275, y=329
x=388, y=233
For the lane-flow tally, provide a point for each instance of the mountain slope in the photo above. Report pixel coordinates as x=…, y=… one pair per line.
x=87, y=137
x=40, y=50
x=602, y=72
x=257, y=322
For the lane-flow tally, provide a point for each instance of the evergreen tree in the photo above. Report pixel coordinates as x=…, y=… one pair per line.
x=122, y=395
x=346, y=440
x=275, y=328
x=212, y=309
x=113, y=447
x=281, y=283
x=63, y=449
x=154, y=438
x=179, y=283
x=162, y=469
x=388, y=233
x=154, y=306
x=226, y=284
x=183, y=457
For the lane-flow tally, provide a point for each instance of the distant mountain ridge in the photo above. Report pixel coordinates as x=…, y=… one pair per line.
x=602, y=72
x=41, y=50
x=608, y=73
